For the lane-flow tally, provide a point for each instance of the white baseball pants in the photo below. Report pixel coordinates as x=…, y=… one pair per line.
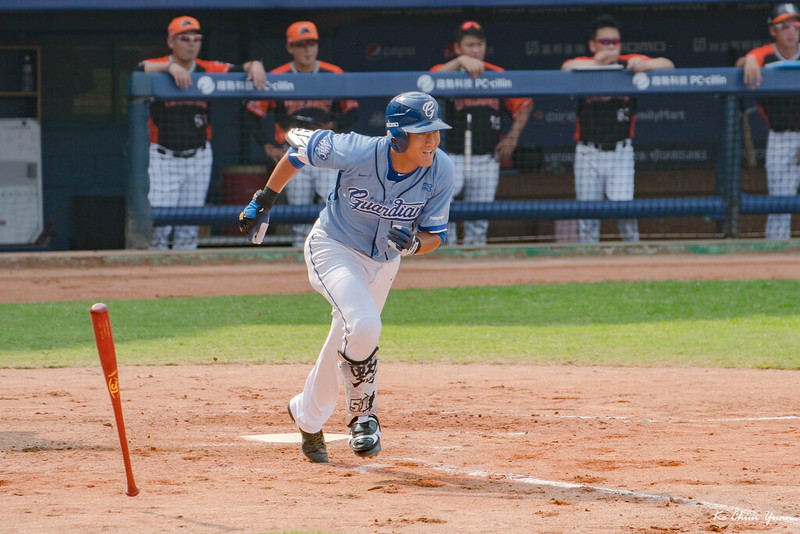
x=600, y=174
x=356, y=287
x=178, y=182
x=783, y=178
x=479, y=185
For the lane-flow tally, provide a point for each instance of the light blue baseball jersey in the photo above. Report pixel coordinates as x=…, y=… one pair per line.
x=366, y=202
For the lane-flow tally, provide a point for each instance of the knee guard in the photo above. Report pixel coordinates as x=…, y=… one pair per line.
x=360, y=383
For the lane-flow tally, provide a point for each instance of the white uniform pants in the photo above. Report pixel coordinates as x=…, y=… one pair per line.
x=178, y=182
x=356, y=287
x=600, y=174
x=479, y=185
x=783, y=178
x=301, y=190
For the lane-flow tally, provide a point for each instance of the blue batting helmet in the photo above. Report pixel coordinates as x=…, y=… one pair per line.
x=412, y=112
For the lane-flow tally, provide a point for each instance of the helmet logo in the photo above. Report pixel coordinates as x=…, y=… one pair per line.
x=429, y=109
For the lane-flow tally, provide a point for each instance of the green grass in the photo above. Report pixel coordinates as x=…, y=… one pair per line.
x=712, y=324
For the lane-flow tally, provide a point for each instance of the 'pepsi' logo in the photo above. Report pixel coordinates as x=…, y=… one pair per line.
x=373, y=51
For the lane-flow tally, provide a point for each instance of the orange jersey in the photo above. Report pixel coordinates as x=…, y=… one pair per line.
x=781, y=113
x=486, y=114
x=310, y=113
x=183, y=124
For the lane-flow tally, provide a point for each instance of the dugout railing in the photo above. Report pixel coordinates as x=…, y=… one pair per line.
x=537, y=187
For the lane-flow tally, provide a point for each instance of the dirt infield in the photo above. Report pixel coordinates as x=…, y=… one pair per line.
x=467, y=448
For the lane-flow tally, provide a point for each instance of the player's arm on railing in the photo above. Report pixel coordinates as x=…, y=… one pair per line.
x=255, y=73
x=640, y=65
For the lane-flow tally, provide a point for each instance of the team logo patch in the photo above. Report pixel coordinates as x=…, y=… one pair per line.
x=323, y=149
x=427, y=187
x=429, y=109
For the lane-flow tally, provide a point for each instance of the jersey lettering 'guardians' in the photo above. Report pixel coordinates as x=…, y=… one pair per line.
x=399, y=210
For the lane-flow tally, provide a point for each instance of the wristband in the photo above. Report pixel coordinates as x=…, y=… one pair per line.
x=265, y=198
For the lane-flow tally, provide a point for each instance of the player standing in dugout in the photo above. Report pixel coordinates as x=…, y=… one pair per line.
x=302, y=42
x=604, y=127
x=781, y=113
x=180, y=132
x=477, y=144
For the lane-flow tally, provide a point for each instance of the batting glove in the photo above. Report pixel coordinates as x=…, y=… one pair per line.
x=255, y=217
x=403, y=240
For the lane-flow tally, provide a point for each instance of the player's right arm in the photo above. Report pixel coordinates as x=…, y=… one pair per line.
x=254, y=219
x=752, y=70
x=181, y=76
x=473, y=67
x=578, y=62
x=601, y=58
x=752, y=63
x=254, y=119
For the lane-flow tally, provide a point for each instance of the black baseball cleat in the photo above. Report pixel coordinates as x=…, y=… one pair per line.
x=365, y=435
x=313, y=445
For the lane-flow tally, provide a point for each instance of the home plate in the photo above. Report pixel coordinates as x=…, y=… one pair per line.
x=294, y=437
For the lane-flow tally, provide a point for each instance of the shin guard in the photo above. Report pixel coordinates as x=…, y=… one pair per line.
x=360, y=383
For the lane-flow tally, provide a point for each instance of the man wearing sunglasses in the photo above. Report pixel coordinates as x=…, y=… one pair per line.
x=311, y=183
x=781, y=113
x=604, y=129
x=180, y=132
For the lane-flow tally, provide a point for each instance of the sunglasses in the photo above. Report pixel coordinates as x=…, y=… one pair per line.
x=608, y=42
x=470, y=25
x=190, y=37
x=794, y=24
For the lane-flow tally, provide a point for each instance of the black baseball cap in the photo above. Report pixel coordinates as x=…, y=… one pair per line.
x=781, y=12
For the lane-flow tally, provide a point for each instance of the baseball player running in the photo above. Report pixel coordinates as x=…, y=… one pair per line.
x=302, y=42
x=180, y=132
x=391, y=199
x=604, y=130
x=781, y=113
x=477, y=157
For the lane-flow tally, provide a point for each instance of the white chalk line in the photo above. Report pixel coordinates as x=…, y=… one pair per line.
x=525, y=479
x=714, y=420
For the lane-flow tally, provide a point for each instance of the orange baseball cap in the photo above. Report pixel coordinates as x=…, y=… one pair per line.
x=781, y=12
x=301, y=31
x=182, y=24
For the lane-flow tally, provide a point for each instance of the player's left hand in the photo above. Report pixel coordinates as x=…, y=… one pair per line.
x=257, y=74
x=637, y=65
x=403, y=240
x=181, y=76
x=505, y=148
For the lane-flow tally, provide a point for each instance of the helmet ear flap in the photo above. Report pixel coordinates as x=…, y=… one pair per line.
x=399, y=139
